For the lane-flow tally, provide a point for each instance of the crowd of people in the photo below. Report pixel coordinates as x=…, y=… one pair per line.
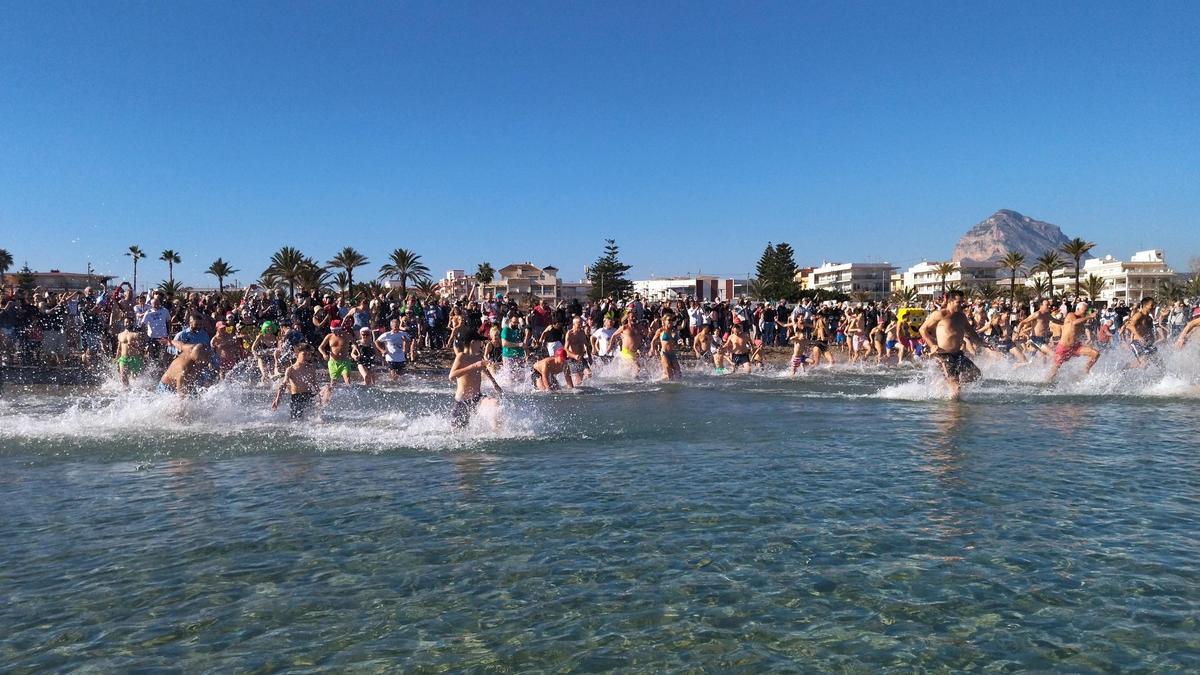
x=305, y=345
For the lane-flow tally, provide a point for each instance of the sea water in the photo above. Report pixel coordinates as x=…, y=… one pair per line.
x=843, y=519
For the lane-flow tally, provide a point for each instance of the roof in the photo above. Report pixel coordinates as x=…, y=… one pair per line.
x=517, y=267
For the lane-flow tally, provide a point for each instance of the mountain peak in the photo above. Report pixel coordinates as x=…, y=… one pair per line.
x=1007, y=230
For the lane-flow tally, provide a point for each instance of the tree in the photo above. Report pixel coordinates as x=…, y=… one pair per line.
x=485, y=274
x=6, y=261
x=944, y=270
x=1013, y=261
x=312, y=276
x=25, y=278
x=342, y=281
x=171, y=288
x=904, y=297
x=1093, y=286
x=426, y=287
x=1040, y=286
x=348, y=260
x=1168, y=292
x=135, y=252
x=775, y=275
x=607, y=274
x=220, y=269
x=287, y=264
x=987, y=292
x=404, y=266
x=1077, y=248
x=172, y=259
x=1049, y=262
x=1193, y=286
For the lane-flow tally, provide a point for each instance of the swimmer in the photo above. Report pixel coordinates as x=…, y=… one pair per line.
x=668, y=337
x=1071, y=344
x=466, y=372
x=301, y=380
x=365, y=355
x=738, y=349
x=579, y=350
x=335, y=349
x=394, y=345
x=544, y=373
x=947, y=331
x=1140, y=329
x=190, y=370
x=227, y=347
x=1037, y=327
x=630, y=338
x=263, y=348
x=1187, y=330
x=131, y=351
x=800, y=352
x=603, y=344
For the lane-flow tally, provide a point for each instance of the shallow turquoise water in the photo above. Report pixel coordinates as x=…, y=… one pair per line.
x=724, y=523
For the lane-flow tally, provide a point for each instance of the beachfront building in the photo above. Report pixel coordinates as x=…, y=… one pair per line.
x=574, y=290
x=801, y=277
x=968, y=275
x=1128, y=280
x=57, y=281
x=702, y=287
x=872, y=279
x=526, y=282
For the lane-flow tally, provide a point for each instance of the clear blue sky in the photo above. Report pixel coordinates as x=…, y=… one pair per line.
x=692, y=132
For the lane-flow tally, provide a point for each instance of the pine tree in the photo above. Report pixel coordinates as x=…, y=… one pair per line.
x=25, y=278
x=607, y=275
x=776, y=273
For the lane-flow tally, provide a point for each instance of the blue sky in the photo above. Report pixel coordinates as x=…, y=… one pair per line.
x=691, y=132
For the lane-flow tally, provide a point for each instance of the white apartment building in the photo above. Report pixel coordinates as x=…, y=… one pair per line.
x=700, y=287
x=1131, y=280
x=525, y=282
x=967, y=275
x=874, y=279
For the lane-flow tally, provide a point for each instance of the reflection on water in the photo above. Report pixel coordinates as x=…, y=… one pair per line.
x=751, y=524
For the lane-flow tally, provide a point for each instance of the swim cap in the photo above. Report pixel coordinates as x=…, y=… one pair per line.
x=270, y=327
x=560, y=353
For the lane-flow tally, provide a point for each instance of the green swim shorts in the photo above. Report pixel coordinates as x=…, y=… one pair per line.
x=340, y=367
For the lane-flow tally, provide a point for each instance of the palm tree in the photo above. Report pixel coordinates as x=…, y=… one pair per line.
x=904, y=297
x=944, y=270
x=404, y=266
x=312, y=276
x=171, y=288
x=1093, y=286
x=1013, y=261
x=1193, y=286
x=135, y=252
x=1039, y=286
x=6, y=261
x=1077, y=248
x=1168, y=292
x=348, y=259
x=1049, y=262
x=987, y=292
x=286, y=266
x=220, y=269
x=426, y=287
x=342, y=281
x=172, y=259
x=485, y=274
x=860, y=297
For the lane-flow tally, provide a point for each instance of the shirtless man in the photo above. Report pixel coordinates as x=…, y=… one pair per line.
x=946, y=332
x=190, y=370
x=544, y=372
x=579, y=350
x=131, y=351
x=801, y=348
x=630, y=338
x=1140, y=329
x=738, y=348
x=1070, y=346
x=1037, y=326
x=228, y=348
x=301, y=380
x=335, y=349
x=466, y=372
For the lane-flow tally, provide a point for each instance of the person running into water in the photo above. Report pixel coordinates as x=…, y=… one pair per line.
x=394, y=345
x=579, y=350
x=466, y=372
x=189, y=371
x=738, y=349
x=544, y=373
x=301, y=380
x=946, y=332
x=1187, y=330
x=1037, y=327
x=603, y=344
x=227, y=347
x=264, y=350
x=801, y=348
x=668, y=336
x=335, y=349
x=1071, y=344
x=365, y=355
x=1140, y=329
x=131, y=351
x=630, y=338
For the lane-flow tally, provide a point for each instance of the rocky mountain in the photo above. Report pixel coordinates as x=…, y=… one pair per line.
x=1006, y=231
